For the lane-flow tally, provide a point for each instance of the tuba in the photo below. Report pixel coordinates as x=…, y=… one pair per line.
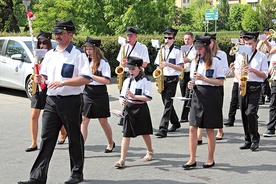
x=158, y=73
x=244, y=77
x=119, y=70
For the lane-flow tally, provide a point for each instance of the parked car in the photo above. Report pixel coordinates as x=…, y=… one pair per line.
x=17, y=62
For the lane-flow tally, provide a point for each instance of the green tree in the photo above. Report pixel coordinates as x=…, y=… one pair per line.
x=223, y=10
x=266, y=13
x=236, y=16
x=8, y=20
x=250, y=21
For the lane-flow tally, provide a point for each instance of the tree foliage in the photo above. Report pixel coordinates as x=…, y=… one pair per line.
x=250, y=21
x=223, y=8
x=266, y=12
x=237, y=12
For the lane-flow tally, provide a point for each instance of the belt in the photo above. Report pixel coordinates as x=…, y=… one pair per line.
x=60, y=96
x=136, y=102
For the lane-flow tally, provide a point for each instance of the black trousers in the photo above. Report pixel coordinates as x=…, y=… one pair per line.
x=272, y=108
x=249, y=105
x=57, y=112
x=234, y=102
x=266, y=90
x=169, y=114
x=185, y=91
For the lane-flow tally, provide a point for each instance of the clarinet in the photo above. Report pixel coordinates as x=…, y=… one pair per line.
x=128, y=87
x=188, y=105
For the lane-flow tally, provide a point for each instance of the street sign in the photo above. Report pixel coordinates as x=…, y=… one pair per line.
x=211, y=14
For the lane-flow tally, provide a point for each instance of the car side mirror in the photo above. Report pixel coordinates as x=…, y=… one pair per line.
x=17, y=57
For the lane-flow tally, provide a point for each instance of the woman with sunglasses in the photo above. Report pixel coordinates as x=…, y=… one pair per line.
x=172, y=65
x=39, y=98
x=95, y=95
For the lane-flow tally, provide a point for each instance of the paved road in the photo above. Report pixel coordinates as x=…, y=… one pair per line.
x=232, y=164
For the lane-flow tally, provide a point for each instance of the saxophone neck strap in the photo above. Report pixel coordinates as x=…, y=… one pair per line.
x=254, y=53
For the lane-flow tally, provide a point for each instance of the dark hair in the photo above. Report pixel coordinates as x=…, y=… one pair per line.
x=189, y=33
x=48, y=43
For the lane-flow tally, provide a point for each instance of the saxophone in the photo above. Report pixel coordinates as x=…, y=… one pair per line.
x=244, y=77
x=181, y=76
x=119, y=70
x=158, y=73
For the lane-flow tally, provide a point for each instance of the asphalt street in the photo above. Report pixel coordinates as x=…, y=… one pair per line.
x=232, y=164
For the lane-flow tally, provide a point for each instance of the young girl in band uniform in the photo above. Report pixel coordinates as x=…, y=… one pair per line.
x=135, y=93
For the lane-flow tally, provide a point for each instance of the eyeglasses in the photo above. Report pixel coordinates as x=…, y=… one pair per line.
x=241, y=37
x=44, y=42
x=170, y=38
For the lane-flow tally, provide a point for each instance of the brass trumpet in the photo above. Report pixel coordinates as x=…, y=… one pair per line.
x=271, y=79
x=235, y=48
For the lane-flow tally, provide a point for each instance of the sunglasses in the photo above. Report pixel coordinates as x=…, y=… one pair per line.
x=170, y=38
x=44, y=42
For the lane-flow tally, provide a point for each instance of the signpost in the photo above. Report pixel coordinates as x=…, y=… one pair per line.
x=211, y=14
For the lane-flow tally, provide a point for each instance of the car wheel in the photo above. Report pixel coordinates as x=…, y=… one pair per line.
x=28, y=88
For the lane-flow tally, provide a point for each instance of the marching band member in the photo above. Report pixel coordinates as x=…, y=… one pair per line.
x=95, y=95
x=272, y=108
x=206, y=112
x=234, y=103
x=187, y=59
x=265, y=46
x=172, y=65
x=135, y=93
x=257, y=70
x=222, y=57
x=39, y=98
x=133, y=48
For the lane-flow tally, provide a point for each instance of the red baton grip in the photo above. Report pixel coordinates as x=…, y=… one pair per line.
x=42, y=85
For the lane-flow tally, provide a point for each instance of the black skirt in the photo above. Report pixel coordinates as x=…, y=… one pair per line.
x=95, y=101
x=206, y=107
x=137, y=120
x=38, y=100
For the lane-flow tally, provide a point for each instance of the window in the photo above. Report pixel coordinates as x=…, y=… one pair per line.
x=1, y=45
x=15, y=47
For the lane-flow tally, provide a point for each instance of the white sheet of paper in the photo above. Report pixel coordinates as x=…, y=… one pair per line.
x=40, y=53
x=262, y=37
x=185, y=48
x=234, y=40
x=121, y=40
x=245, y=49
x=155, y=43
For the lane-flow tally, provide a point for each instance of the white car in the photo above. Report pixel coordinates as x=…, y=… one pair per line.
x=17, y=62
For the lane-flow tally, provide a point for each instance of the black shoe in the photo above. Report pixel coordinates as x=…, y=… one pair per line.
x=188, y=166
x=269, y=133
x=229, y=123
x=199, y=142
x=254, y=146
x=183, y=120
x=31, y=181
x=108, y=150
x=120, y=123
x=74, y=180
x=208, y=165
x=161, y=134
x=31, y=149
x=173, y=128
x=220, y=138
x=246, y=146
x=61, y=142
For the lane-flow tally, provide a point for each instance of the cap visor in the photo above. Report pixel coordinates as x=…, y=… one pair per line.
x=87, y=44
x=57, y=30
x=130, y=66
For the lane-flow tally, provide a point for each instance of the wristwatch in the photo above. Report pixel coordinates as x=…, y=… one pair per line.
x=62, y=83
